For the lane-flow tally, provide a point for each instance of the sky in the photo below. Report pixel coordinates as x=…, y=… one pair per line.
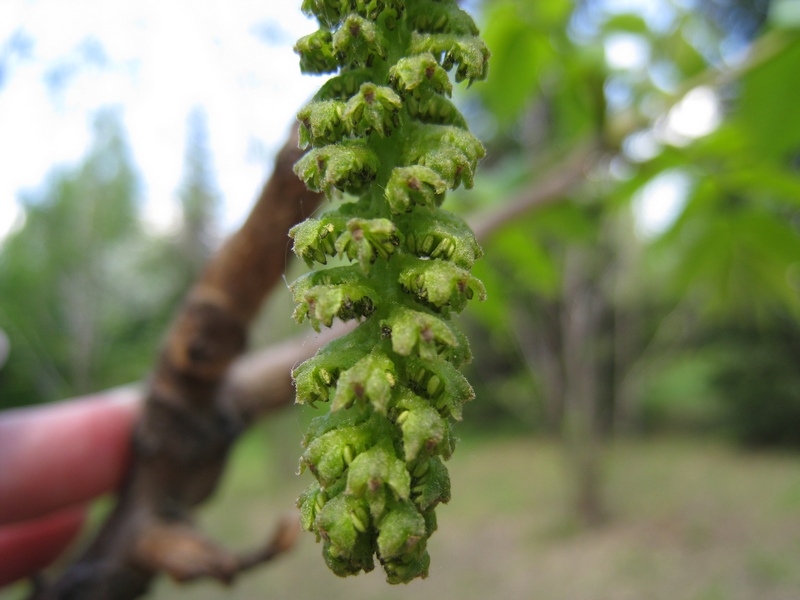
x=154, y=61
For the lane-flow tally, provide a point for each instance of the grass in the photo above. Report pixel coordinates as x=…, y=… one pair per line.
x=688, y=519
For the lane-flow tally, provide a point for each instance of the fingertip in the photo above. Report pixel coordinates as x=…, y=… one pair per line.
x=30, y=546
x=63, y=454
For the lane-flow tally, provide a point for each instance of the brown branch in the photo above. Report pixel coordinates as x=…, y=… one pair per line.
x=182, y=440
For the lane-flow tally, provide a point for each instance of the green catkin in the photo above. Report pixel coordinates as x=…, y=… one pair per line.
x=383, y=131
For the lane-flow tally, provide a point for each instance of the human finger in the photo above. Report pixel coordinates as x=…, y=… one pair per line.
x=30, y=546
x=63, y=454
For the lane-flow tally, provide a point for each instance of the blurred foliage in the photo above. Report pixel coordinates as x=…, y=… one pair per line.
x=760, y=384
x=681, y=394
x=58, y=285
x=662, y=298
x=86, y=292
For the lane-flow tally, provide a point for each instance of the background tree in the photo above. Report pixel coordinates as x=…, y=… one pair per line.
x=62, y=299
x=591, y=308
x=74, y=324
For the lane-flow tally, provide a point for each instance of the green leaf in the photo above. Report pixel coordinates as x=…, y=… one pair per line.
x=626, y=22
x=521, y=54
x=532, y=266
x=732, y=255
x=785, y=14
x=768, y=106
x=495, y=316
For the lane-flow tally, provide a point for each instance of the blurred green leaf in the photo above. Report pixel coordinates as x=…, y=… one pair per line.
x=732, y=256
x=532, y=266
x=768, y=109
x=520, y=36
x=517, y=58
x=626, y=22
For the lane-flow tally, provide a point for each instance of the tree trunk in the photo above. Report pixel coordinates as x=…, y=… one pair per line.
x=581, y=329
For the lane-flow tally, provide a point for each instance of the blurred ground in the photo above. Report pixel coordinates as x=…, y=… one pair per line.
x=689, y=518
